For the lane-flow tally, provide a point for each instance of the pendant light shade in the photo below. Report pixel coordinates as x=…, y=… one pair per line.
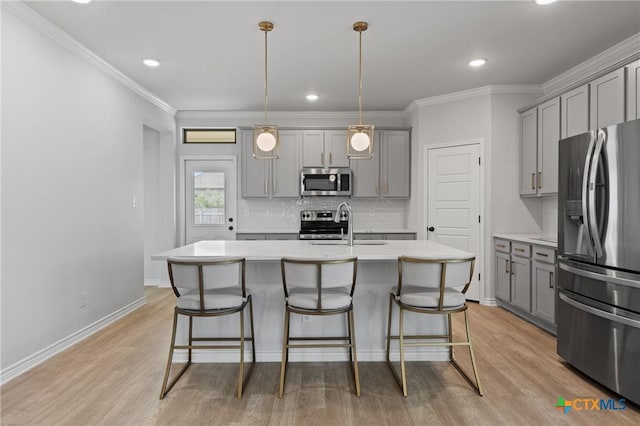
x=265, y=136
x=360, y=136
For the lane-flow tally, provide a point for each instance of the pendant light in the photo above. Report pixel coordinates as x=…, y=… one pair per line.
x=265, y=136
x=360, y=136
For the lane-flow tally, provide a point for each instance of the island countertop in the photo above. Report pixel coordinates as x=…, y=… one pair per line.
x=274, y=250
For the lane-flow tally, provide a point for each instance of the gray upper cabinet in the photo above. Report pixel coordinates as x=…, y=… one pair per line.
x=539, y=136
x=366, y=174
x=255, y=173
x=607, y=99
x=548, y=137
x=633, y=91
x=395, y=164
x=324, y=148
x=575, y=112
x=285, y=181
x=272, y=178
x=528, y=151
x=388, y=173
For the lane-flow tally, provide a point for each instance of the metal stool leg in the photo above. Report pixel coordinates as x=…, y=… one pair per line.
x=356, y=375
x=473, y=358
x=402, y=368
x=285, y=350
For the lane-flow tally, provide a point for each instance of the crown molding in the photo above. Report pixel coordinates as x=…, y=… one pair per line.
x=275, y=115
x=40, y=23
x=479, y=91
x=615, y=56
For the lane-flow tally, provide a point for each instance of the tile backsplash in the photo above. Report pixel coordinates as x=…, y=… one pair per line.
x=285, y=213
x=550, y=216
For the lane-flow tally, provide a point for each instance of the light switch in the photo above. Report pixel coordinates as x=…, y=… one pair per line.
x=134, y=202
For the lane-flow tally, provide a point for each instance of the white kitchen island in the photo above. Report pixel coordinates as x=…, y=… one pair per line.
x=377, y=274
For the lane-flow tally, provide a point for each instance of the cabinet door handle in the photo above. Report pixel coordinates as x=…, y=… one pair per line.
x=501, y=245
x=506, y=266
x=542, y=254
x=266, y=189
x=533, y=181
x=539, y=180
x=377, y=192
x=330, y=158
x=519, y=249
x=322, y=158
x=512, y=268
x=550, y=279
x=274, y=186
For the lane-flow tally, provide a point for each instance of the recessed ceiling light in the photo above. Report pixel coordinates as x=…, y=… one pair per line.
x=81, y=1
x=477, y=62
x=312, y=97
x=151, y=63
x=544, y=2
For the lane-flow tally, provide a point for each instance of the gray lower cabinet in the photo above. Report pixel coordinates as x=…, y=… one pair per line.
x=251, y=236
x=503, y=276
x=525, y=279
x=544, y=293
x=521, y=282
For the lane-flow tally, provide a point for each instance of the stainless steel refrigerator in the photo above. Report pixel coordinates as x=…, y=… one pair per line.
x=599, y=256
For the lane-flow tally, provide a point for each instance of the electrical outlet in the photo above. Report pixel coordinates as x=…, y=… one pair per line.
x=134, y=202
x=82, y=299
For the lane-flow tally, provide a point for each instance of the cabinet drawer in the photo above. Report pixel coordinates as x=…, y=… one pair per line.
x=502, y=245
x=367, y=236
x=544, y=254
x=282, y=236
x=521, y=249
x=245, y=236
x=400, y=236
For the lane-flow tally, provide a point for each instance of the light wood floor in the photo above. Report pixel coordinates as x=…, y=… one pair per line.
x=114, y=377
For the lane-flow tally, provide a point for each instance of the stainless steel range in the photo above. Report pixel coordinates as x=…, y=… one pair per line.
x=320, y=225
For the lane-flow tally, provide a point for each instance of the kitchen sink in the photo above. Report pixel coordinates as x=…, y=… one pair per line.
x=344, y=243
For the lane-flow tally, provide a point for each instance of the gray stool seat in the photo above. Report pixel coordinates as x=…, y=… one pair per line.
x=429, y=298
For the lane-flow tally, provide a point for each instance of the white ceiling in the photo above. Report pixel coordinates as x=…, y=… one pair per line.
x=212, y=51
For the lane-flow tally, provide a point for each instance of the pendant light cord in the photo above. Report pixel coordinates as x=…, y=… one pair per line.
x=360, y=85
x=266, y=116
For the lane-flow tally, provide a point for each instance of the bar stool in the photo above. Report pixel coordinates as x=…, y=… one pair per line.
x=426, y=286
x=209, y=287
x=319, y=287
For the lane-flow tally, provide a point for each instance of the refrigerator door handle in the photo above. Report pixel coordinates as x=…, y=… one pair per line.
x=598, y=312
x=593, y=174
x=585, y=188
x=600, y=277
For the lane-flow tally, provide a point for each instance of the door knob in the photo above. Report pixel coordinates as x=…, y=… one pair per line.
x=230, y=219
x=431, y=229
x=231, y=228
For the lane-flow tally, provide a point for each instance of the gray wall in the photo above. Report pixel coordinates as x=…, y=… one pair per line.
x=71, y=163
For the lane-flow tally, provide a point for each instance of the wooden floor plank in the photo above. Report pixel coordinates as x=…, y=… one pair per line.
x=114, y=377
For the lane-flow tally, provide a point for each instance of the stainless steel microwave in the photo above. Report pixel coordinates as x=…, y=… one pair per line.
x=325, y=182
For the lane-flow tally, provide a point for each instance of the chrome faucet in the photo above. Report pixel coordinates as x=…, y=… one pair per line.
x=336, y=219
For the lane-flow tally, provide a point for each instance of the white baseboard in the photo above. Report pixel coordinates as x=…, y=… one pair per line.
x=489, y=301
x=22, y=366
x=311, y=355
x=156, y=283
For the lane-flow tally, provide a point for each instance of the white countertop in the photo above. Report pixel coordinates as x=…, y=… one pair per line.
x=537, y=239
x=355, y=231
x=274, y=250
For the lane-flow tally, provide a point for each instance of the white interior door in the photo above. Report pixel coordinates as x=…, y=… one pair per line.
x=453, y=202
x=210, y=200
